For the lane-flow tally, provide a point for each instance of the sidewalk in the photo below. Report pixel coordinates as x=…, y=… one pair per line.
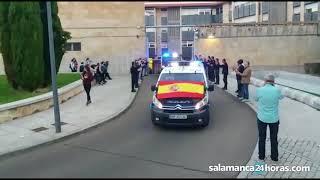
x=108, y=101
x=294, y=80
x=299, y=137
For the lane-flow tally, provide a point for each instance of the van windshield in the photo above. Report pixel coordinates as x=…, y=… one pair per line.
x=198, y=77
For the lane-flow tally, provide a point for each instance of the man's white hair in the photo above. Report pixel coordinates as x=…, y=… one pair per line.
x=269, y=77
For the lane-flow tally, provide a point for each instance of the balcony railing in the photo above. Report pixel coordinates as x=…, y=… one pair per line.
x=201, y=19
x=311, y=17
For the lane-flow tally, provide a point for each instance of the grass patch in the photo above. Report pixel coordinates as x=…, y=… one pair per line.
x=8, y=94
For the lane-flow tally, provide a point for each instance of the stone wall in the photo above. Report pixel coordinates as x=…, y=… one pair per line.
x=111, y=32
x=278, y=45
x=28, y=106
x=106, y=30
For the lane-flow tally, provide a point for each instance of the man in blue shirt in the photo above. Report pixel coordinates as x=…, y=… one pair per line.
x=268, y=98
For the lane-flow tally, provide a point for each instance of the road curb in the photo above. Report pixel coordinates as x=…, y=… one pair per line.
x=74, y=133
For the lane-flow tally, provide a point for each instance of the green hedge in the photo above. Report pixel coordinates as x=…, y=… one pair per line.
x=24, y=43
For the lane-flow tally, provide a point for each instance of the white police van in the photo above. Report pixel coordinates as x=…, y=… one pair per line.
x=181, y=95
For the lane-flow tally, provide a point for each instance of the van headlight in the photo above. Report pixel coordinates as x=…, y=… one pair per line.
x=202, y=103
x=156, y=102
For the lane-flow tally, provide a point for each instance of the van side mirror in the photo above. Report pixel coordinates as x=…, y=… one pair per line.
x=153, y=88
x=211, y=87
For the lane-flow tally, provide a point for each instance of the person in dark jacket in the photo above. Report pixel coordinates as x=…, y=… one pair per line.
x=240, y=68
x=211, y=70
x=87, y=77
x=134, y=72
x=99, y=76
x=138, y=69
x=217, y=71
x=106, y=64
x=225, y=72
x=81, y=69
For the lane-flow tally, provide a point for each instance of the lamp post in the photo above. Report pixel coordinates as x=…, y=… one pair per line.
x=53, y=70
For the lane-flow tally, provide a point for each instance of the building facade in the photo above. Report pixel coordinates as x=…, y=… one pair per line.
x=171, y=26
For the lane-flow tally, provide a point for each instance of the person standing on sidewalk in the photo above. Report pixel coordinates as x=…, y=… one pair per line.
x=211, y=66
x=134, y=79
x=240, y=68
x=268, y=97
x=217, y=71
x=225, y=72
x=87, y=77
x=245, y=81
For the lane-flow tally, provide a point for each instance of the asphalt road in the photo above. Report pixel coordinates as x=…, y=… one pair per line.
x=130, y=146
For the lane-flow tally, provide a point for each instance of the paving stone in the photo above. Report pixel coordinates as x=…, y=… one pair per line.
x=283, y=142
x=291, y=158
x=296, y=160
x=286, y=174
x=311, y=174
x=286, y=144
x=285, y=155
x=292, y=145
x=314, y=151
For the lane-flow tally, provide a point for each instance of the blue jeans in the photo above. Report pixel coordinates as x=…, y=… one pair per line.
x=245, y=91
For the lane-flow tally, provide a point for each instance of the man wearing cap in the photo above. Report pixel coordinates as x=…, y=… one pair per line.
x=268, y=97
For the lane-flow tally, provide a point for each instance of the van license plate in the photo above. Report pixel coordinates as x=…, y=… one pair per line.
x=177, y=116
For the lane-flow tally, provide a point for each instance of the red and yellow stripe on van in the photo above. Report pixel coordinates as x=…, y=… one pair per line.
x=180, y=89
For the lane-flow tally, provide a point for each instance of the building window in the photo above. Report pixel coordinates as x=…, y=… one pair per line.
x=151, y=45
x=296, y=18
x=309, y=10
x=296, y=3
x=204, y=11
x=252, y=9
x=265, y=7
x=246, y=10
x=73, y=46
x=241, y=11
x=236, y=12
x=164, y=21
x=187, y=44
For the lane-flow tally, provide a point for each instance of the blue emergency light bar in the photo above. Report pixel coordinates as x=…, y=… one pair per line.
x=165, y=55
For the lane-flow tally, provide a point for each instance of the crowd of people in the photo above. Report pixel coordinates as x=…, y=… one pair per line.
x=212, y=66
x=242, y=70
x=139, y=69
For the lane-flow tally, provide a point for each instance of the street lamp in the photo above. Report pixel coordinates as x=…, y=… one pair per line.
x=53, y=70
x=211, y=36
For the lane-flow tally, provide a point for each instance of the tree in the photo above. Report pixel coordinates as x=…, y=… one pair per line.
x=24, y=51
x=60, y=39
x=5, y=44
x=24, y=43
